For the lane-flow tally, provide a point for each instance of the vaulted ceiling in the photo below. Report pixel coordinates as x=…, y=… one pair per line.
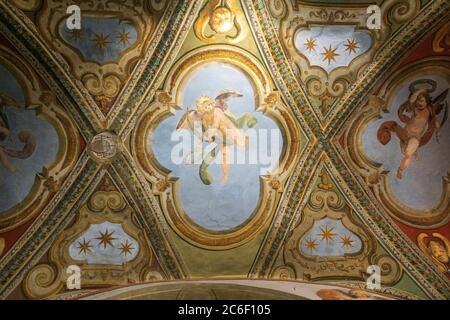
x=357, y=173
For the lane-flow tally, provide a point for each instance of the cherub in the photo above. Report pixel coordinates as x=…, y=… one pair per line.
x=437, y=251
x=220, y=126
x=206, y=106
x=24, y=136
x=420, y=125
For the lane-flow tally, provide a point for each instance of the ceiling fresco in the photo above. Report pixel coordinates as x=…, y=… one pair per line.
x=227, y=149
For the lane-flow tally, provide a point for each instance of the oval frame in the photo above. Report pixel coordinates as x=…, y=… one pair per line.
x=165, y=186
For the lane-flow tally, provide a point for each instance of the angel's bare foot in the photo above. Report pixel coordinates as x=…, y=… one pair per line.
x=399, y=173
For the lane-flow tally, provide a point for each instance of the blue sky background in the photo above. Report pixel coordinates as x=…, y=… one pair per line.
x=215, y=207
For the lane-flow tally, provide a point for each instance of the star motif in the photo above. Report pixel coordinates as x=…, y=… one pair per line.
x=311, y=244
x=106, y=239
x=101, y=40
x=330, y=54
x=351, y=45
x=327, y=233
x=124, y=38
x=310, y=44
x=125, y=248
x=347, y=242
x=84, y=247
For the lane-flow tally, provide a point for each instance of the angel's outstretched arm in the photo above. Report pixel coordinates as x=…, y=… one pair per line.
x=405, y=107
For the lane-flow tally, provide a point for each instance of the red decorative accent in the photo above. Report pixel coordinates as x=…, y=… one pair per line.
x=412, y=232
x=342, y=141
x=12, y=236
x=424, y=50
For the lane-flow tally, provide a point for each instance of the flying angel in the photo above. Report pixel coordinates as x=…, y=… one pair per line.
x=419, y=113
x=221, y=127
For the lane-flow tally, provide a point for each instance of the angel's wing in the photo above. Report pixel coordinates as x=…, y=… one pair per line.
x=188, y=119
x=224, y=96
x=440, y=104
x=183, y=121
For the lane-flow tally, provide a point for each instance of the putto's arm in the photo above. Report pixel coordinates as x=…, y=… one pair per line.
x=405, y=107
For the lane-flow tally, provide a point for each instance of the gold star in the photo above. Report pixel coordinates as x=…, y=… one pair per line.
x=351, y=45
x=106, y=238
x=327, y=233
x=330, y=54
x=126, y=248
x=311, y=244
x=84, y=247
x=101, y=41
x=75, y=34
x=310, y=44
x=124, y=38
x=347, y=241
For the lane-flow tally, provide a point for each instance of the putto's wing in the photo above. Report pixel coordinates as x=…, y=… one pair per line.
x=444, y=118
x=224, y=96
x=438, y=104
x=188, y=119
x=183, y=121
x=227, y=95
